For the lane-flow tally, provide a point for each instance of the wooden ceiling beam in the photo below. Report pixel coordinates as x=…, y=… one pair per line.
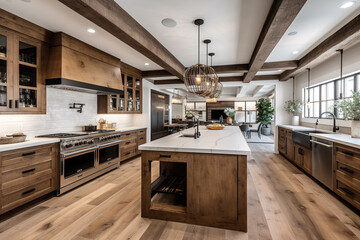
x=222, y=79
x=234, y=68
x=284, y=65
x=110, y=16
x=266, y=77
x=344, y=38
x=281, y=15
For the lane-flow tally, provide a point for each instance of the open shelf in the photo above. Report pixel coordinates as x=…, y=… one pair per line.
x=172, y=185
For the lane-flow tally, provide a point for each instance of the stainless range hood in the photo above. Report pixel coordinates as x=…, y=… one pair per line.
x=67, y=84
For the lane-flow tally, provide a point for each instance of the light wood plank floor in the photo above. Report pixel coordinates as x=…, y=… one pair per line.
x=283, y=203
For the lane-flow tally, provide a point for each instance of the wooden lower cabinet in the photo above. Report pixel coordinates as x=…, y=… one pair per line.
x=347, y=173
x=27, y=174
x=303, y=158
x=285, y=143
x=130, y=143
x=195, y=188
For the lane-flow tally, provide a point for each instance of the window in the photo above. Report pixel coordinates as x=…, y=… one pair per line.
x=322, y=97
x=245, y=111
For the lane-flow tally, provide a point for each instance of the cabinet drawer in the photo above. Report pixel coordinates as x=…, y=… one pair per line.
x=347, y=171
x=128, y=135
x=282, y=131
x=127, y=142
x=141, y=132
x=169, y=156
x=26, y=157
x=25, y=172
x=128, y=152
x=348, y=157
x=141, y=139
x=282, y=148
x=348, y=193
x=17, y=198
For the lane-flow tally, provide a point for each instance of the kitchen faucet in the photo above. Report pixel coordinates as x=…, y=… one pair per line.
x=334, y=120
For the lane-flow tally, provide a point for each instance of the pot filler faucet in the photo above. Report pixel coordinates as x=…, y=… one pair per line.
x=334, y=120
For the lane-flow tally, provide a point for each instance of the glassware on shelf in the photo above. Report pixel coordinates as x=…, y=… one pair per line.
x=130, y=106
x=3, y=96
x=122, y=105
x=113, y=102
x=129, y=94
x=27, y=98
x=137, y=83
x=129, y=83
x=27, y=53
x=27, y=76
x=137, y=95
x=2, y=46
x=137, y=106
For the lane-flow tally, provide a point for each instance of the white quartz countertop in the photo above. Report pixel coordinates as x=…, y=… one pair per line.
x=345, y=139
x=127, y=129
x=227, y=141
x=33, y=142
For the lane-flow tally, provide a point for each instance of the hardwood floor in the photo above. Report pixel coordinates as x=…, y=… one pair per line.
x=283, y=203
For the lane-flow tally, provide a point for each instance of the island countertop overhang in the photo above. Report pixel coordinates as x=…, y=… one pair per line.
x=227, y=141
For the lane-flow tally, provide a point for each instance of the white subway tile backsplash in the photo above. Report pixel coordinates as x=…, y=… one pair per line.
x=60, y=118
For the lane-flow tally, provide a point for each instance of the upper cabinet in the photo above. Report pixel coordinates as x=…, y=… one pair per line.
x=75, y=60
x=22, y=60
x=130, y=100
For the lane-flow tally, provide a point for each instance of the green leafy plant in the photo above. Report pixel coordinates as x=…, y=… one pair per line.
x=230, y=112
x=265, y=112
x=350, y=108
x=293, y=106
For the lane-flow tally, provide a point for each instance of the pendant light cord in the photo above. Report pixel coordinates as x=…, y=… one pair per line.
x=198, y=44
x=211, y=59
x=308, y=84
x=341, y=75
x=207, y=54
x=293, y=89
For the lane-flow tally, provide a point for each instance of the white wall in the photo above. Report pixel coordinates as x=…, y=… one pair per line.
x=283, y=93
x=59, y=118
x=328, y=70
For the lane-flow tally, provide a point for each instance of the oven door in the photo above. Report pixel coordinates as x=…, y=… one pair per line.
x=109, y=154
x=75, y=166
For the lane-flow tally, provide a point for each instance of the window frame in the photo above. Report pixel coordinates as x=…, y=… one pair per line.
x=306, y=91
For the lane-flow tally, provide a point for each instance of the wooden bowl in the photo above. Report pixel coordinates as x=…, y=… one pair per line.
x=215, y=127
x=13, y=139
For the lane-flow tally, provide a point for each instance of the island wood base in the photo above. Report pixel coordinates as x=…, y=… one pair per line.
x=214, y=193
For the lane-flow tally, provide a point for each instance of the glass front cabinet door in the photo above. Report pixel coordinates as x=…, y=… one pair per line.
x=21, y=86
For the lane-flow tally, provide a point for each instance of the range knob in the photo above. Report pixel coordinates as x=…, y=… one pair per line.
x=69, y=145
x=80, y=143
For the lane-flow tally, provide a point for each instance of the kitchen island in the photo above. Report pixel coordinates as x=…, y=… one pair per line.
x=198, y=181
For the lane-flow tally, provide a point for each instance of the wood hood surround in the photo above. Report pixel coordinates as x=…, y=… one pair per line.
x=72, y=59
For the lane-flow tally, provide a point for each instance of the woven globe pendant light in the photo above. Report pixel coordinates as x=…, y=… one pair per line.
x=200, y=79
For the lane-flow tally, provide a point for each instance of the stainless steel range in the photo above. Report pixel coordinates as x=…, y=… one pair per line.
x=84, y=156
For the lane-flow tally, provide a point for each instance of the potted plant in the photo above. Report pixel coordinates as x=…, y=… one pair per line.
x=350, y=110
x=230, y=112
x=294, y=107
x=265, y=113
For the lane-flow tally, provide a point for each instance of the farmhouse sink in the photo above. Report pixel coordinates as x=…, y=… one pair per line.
x=303, y=137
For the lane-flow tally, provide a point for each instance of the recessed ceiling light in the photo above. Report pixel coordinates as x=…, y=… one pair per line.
x=295, y=52
x=90, y=30
x=347, y=4
x=147, y=64
x=169, y=22
x=292, y=33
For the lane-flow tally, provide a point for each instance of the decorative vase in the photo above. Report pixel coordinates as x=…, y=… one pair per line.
x=355, y=129
x=295, y=121
x=229, y=120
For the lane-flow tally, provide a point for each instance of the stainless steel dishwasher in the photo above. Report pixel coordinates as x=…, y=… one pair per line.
x=322, y=161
